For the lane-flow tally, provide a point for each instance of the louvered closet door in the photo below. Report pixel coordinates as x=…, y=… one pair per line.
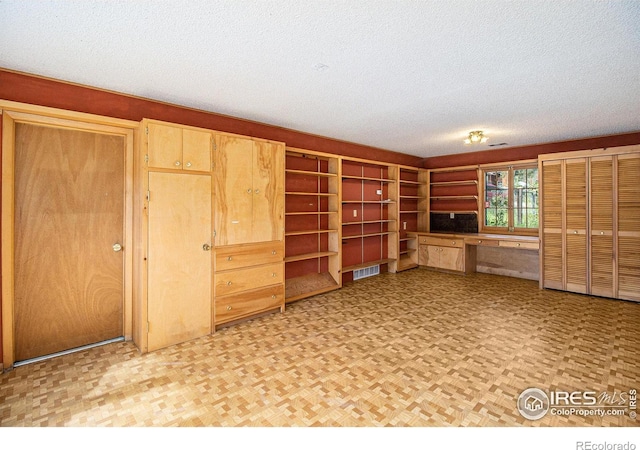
x=601, y=195
x=629, y=227
x=576, y=225
x=552, y=210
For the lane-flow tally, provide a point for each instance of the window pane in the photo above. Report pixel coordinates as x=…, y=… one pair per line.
x=496, y=198
x=525, y=198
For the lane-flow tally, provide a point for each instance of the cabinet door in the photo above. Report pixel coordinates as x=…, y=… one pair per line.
x=233, y=190
x=196, y=150
x=628, y=227
x=165, y=146
x=451, y=258
x=552, y=212
x=179, y=268
x=432, y=256
x=268, y=192
x=576, y=225
x=601, y=249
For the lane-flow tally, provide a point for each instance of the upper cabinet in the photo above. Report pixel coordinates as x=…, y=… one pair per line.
x=175, y=147
x=249, y=190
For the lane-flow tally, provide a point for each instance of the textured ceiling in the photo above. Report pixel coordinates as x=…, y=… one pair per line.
x=409, y=76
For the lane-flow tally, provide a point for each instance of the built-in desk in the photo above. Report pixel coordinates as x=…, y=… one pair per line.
x=511, y=255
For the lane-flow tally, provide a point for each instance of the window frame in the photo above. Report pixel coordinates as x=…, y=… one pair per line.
x=509, y=167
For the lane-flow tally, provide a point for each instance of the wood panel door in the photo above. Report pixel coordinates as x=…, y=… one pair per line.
x=233, y=190
x=628, y=214
x=179, y=264
x=268, y=189
x=576, y=225
x=601, y=200
x=69, y=210
x=196, y=150
x=552, y=219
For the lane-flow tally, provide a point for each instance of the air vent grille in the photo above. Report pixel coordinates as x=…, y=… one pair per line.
x=366, y=272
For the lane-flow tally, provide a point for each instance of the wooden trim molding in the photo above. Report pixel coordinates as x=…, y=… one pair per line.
x=36, y=90
x=59, y=119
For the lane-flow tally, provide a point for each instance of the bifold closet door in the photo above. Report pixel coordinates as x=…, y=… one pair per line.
x=69, y=209
x=576, y=225
x=179, y=258
x=601, y=199
x=628, y=215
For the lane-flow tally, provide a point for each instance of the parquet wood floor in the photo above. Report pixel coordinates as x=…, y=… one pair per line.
x=419, y=348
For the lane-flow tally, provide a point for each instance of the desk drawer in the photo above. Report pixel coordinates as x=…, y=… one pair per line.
x=442, y=242
x=481, y=242
x=522, y=245
x=240, y=280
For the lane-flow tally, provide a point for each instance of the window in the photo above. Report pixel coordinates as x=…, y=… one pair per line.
x=511, y=198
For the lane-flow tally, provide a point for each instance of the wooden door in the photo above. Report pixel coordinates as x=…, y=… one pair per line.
x=628, y=226
x=196, y=150
x=602, y=265
x=69, y=209
x=165, y=146
x=268, y=190
x=233, y=190
x=179, y=268
x=576, y=225
x=432, y=256
x=552, y=218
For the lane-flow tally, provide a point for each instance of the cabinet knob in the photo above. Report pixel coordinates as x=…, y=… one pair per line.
x=273, y=274
x=249, y=191
x=117, y=247
x=602, y=232
x=229, y=308
x=229, y=258
x=228, y=283
x=177, y=163
x=273, y=252
x=273, y=296
x=257, y=191
x=188, y=164
x=480, y=241
x=518, y=244
x=453, y=242
x=206, y=247
x=575, y=231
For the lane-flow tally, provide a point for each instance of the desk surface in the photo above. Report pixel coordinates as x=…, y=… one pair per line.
x=469, y=237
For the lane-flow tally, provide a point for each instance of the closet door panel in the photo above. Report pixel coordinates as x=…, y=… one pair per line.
x=179, y=268
x=268, y=189
x=552, y=215
x=602, y=264
x=196, y=150
x=233, y=190
x=165, y=146
x=576, y=225
x=629, y=227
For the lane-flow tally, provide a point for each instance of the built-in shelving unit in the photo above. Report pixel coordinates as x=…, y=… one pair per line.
x=369, y=215
x=412, y=213
x=452, y=192
x=312, y=224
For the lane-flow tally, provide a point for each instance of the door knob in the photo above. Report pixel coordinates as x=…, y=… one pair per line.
x=206, y=247
x=117, y=247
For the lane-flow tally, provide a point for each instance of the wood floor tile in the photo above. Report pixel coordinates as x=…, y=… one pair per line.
x=419, y=348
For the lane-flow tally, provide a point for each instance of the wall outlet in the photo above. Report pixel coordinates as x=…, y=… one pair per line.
x=452, y=215
x=355, y=213
x=404, y=225
x=379, y=191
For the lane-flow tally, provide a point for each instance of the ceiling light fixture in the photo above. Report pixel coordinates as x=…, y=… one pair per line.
x=476, y=137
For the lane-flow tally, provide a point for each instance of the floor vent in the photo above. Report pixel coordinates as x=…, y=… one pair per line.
x=366, y=272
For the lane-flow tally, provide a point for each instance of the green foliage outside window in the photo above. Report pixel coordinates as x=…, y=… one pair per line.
x=523, y=192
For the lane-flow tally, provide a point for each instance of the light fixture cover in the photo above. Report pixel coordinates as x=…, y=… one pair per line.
x=476, y=137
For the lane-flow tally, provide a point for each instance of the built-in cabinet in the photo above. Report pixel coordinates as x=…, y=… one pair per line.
x=590, y=230
x=178, y=191
x=412, y=215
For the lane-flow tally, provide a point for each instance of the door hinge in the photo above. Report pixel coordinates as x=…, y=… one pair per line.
x=148, y=196
x=146, y=159
x=214, y=233
x=146, y=129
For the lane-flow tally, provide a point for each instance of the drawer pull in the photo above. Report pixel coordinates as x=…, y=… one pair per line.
x=273, y=274
x=480, y=241
x=273, y=252
x=453, y=242
x=575, y=232
x=229, y=258
x=518, y=244
x=229, y=308
x=602, y=232
x=177, y=163
x=273, y=296
x=228, y=283
x=188, y=164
